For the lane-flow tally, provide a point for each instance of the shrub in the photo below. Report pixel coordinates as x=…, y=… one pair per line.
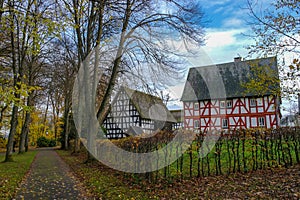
x=44, y=142
x=52, y=143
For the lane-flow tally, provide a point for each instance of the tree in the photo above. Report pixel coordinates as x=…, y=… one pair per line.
x=262, y=79
x=276, y=32
x=139, y=32
x=62, y=72
x=29, y=26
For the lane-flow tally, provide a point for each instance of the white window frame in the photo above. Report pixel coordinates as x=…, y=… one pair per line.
x=261, y=122
x=196, y=122
x=222, y=104
x=259, y=101
x=196, y=106
x=253, y=102
x=225, y=122
x=229, y=103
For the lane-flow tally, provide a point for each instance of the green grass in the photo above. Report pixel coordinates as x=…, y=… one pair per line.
x=12, y=173
x=227, y=159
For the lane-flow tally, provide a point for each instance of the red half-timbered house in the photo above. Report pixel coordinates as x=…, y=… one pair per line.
x=133, y=112
x=235, y=108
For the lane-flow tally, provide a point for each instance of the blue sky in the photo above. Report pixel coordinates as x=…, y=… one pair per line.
x=225, y=39
x=227, y=23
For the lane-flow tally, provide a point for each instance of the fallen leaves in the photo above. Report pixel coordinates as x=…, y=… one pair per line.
x=102, y=182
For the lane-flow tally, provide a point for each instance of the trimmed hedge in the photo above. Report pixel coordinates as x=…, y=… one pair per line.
x=234, y=151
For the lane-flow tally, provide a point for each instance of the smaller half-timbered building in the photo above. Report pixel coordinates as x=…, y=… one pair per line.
x=132, y=111
x=236, y=107
x=178, y=115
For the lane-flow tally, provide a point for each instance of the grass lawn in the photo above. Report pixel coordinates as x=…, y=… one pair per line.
x=12, y=173
x=254, y=158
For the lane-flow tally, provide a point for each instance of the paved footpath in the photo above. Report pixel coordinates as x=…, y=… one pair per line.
x=49, y=178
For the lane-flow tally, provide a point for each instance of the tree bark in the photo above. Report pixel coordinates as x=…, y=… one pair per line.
x=25, y=127
x=13, y=128
x=101, y=113
x=26, y=142
x=65, y=144
x=16, y=70
x=24, y=133
x=1, y=8
x=45, y=117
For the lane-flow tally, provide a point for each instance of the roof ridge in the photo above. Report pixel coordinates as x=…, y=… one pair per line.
x=138, y=91
x=226, y=63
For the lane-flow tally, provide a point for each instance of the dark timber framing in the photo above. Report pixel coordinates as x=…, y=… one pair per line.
x=131, y=108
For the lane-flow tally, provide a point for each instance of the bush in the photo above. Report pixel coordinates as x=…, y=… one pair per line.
x=52, y=143
x=44, y=142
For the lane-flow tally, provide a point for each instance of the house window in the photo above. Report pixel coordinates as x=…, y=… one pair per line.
x=261, y=121
x=196, y=124
x=229, y=103
x=196, y=106
x=259, y=101
x=225, y=123
x=222, y=104
x=252, y=102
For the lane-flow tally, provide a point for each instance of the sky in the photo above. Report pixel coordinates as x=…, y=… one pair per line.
x=225, y=29
x=225, y=36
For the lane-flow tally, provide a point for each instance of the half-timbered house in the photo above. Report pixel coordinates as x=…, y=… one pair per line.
x=178, y=115
x=132, y=111
x=237, y=108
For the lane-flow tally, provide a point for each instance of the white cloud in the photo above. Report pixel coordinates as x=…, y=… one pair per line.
x=223, y=45
x=209, y=3
x=233, y=22
x=217, y=38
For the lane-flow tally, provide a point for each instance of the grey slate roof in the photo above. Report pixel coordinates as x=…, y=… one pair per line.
x=223, y=81
x=149, y=106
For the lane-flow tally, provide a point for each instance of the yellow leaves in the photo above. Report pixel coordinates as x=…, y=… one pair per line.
x=16, y=94
x=262, y=79
x=295, y=65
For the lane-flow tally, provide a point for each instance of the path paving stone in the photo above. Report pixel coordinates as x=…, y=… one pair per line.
x=49, y=178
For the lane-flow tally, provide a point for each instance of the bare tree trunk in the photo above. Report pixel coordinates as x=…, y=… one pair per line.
x=14, y=116
x=25, y=127
x=101, y=113
x=1, y=9
x=24, y=132
x=45, y=116
x=26, y=142
x=13, y=128
x=65, y=144
x=55, y=110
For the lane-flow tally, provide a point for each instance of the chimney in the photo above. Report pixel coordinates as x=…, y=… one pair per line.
x=238, y=59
